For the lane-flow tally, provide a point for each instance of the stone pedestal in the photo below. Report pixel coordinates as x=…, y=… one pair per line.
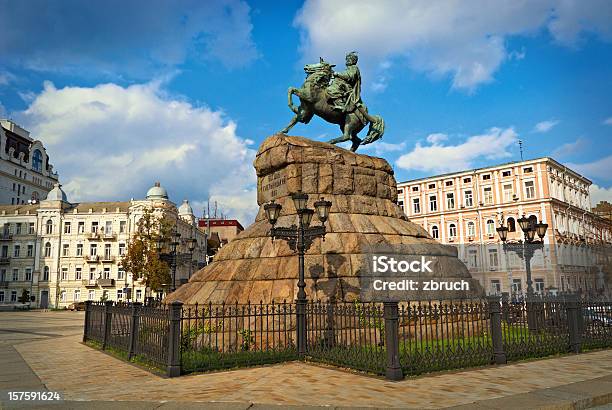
x=363, y=191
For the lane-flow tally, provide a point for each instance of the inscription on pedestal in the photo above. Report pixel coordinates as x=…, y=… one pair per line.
x=274, y=186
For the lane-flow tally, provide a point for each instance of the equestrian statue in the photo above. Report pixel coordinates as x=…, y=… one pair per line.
x=335, y=97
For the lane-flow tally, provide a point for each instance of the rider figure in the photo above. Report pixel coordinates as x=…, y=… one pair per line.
x=345, y=89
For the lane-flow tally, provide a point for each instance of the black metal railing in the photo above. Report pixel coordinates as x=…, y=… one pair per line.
x=392, y=339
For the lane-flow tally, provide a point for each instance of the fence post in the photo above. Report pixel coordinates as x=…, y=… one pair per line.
x=495, y=316
x=391, y=315
x=134, y=328
x=300, y=311
x=108, y=318
x=573, y=313
x=174, y=339
x=87, y=325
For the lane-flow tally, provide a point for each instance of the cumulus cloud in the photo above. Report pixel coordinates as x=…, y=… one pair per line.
x=380, y=148
x=436, y=138
x=569, y=148
x=112, y=143
x=599, y=194
x=545, y=126
x=437, y=157
x=126, y=37
x=443, y=38
x=601, y=168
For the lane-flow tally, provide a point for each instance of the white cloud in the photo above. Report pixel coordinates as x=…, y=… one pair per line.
x=608, y=121
x=599, y=194
x=601, y=168
x=111, y=143
x=569, y=149
x=493, y=144
x=443, y=38
x=545, y=126
x=6, y=78
x=436, y=138
x=380, y=148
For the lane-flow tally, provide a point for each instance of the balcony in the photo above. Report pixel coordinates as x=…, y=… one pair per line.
x=108, y=258
x=5, y=260
x=3, y=284
x=89, y=283
x=109, y=236
x=91, y=258
x=6, y=237
x=106, y=282
x=93, y=236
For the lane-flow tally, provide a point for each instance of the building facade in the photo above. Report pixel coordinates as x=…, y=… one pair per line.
x=465, y=209
x=26, y=175
x=62, y=252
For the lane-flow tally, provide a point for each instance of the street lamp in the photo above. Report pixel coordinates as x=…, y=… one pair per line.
x=299, y=238
x=191, y=244
x=173, y=245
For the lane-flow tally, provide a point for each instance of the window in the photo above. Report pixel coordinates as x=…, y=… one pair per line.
x=1, y=296
x=92, y=273
x=539, y=285
x=46, y=273
x=16, y=251
x=452, y=230
x=467, y=180
x=450, y=200
x=120, y=274
x=119, y=294
x=122, y=225
x=93, y=249
x=13, y=296
x=107, y=251
x=64, y=273
x=506, y=173
x=469, y=200
x=431, y=186
x=472, y=258
x=448, y=183
x=28, y=274
x=507, y=192
x=15, y=275
x=37, y=160
x=78, y=273
x=31, y=228
x=511, y=225
x=47, y=250
x=433, y=203
x=400, y=204
x=495, y=287
x=488, y=196
x=63, y=295
x=400, y=190
x=415, y=188
x=79, y=249
x=105, y=294
x=5, y=251
x=529, y=190
x=435, y=233
x=416, y=205
x=65, y=249
x=108, y=227
x=66, y=227
x=94, y=227
x=49, y=227
x=471, y=229
x=77, y=295
x=490, y=227
x=30, y=251
x=81, y=227
x=527, y=170
x=493, y=259
x=18, y=228
x=516, y=286
x=138, y=294
x=91, y=295
x=486, y=177
x=106, y=273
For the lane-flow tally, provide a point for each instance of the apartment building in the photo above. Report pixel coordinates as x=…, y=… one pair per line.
x=62, y=252
x=465, y=208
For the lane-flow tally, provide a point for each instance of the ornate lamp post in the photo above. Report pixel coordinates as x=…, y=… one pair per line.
x=191, y=244
x=176, y=236
x=525, y=250
x=300, y=237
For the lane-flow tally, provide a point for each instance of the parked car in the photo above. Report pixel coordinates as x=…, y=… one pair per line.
x=77, y=306
x=597, y=317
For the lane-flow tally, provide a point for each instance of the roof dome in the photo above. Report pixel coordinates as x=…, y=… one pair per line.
x=57, y=194
x=157, y=192
x=185, y=208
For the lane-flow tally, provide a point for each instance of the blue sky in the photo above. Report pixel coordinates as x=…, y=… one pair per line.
x=126, y=93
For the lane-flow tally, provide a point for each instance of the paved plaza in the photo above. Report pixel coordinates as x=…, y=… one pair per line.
x=42, y=351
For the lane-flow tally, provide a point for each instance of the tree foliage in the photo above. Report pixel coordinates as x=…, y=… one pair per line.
x=141, y=258
x=25, y=296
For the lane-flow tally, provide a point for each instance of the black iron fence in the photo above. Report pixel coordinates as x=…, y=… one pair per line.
x=392, y=339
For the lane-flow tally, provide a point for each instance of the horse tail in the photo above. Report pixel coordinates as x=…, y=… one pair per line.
x=376, y=130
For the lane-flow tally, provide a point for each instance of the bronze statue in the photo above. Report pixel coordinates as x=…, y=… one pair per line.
x=338, y=102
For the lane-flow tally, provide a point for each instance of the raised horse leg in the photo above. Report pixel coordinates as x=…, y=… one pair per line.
x=346, y=135
x=296, y=118
x=293, y=121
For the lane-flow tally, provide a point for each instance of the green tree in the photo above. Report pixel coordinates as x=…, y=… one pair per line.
x=142, y=258
x=25, y=296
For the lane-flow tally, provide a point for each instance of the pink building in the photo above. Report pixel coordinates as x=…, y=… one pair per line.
x=465, y=208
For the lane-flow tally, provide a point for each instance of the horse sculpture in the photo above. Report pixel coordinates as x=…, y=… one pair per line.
x=314, y=100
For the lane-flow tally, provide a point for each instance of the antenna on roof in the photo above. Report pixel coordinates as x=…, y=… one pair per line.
x=520, y=142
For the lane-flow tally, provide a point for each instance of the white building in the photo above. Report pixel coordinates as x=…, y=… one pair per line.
x=25, y=171
x=62, y=252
